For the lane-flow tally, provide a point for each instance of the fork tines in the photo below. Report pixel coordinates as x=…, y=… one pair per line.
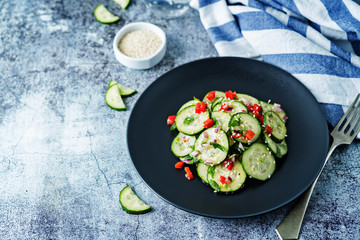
x=350, y=122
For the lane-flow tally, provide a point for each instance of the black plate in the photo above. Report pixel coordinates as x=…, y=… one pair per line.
x=149, y=137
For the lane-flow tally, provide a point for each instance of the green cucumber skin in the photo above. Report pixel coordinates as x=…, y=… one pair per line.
x=129, y=210
x=180, y=125
x=105, y=22
x=175, y=142
x=136, y=212
x=188, y=104
x=279, y=149
x=198, y=170
x=129, y=91
x=275, y=136
x=122, y=108
x=257, y=131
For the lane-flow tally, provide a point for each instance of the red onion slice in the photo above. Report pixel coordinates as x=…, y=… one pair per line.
x=205, y=135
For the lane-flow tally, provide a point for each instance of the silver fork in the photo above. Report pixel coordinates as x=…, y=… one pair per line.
x=344, y=133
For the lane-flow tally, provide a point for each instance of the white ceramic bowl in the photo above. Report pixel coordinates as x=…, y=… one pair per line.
x=140, y=63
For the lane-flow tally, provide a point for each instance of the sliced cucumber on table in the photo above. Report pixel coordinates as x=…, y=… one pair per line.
x=103, y=15
x=278, y=126
x=112, y=82
x=124, y=91
x=123, y=3
x=182, y=145
x=213, y=145
x=113, y=98
x=131, y=203
x=234, y=178
x=258, y=162
x=189, y=122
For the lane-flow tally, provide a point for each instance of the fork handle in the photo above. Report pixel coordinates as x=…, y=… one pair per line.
x=289, y=227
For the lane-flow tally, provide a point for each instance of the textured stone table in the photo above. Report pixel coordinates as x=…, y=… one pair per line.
x=63, y=153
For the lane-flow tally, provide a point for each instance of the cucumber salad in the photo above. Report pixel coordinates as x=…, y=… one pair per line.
x=228, y=137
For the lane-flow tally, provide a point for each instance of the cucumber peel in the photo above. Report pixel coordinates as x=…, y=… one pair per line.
x=114, y=94
x=131, y=203
x=124, y=91
x=113, y=98
x=103, y=15
x=123, y=3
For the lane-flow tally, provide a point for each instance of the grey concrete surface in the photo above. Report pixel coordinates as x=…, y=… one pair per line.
x=63, y=153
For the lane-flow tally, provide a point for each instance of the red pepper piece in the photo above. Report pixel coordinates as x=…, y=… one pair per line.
x=179, y=165
x=268, y=129
x=189, y=173
x=249, y=135
x=171, y=119
x=261, y=119
x=230, y=95
x=225, y=107
x=250, y=108
x=200, y=107
x=208, y=123
x=222, y=179
x=211, y=96
x=236, y=134
x=257, y=108
x=228, y=164
x=257, y=114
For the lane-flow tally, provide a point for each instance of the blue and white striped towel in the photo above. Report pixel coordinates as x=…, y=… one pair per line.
x=317, y=41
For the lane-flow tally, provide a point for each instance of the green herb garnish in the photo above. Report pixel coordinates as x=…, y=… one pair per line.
x=216, y=145
x=189, y=120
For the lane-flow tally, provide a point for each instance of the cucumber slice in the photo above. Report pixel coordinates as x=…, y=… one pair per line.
x=247, y=99
x=113, y=98
x=271, y=107
x=182, y=145
x=218, y=94
x=112, y=82
x=242, y=123
x=222, y=119
x=277, y=125
x=231, y=139
x=103, y=15
x=189, y=103
x=213, y=149
x=279, y=149
x=131, y=203
x=202, y=170
x=125, y=91
x=189, y=122
x=258, y=162
x=123, y=3
x=235, y=177
x=235, y=105
x=216, y=101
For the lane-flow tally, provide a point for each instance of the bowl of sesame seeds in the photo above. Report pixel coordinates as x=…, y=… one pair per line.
x=140, y=45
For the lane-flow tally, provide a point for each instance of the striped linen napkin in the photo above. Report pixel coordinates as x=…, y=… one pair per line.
x=317, y=41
